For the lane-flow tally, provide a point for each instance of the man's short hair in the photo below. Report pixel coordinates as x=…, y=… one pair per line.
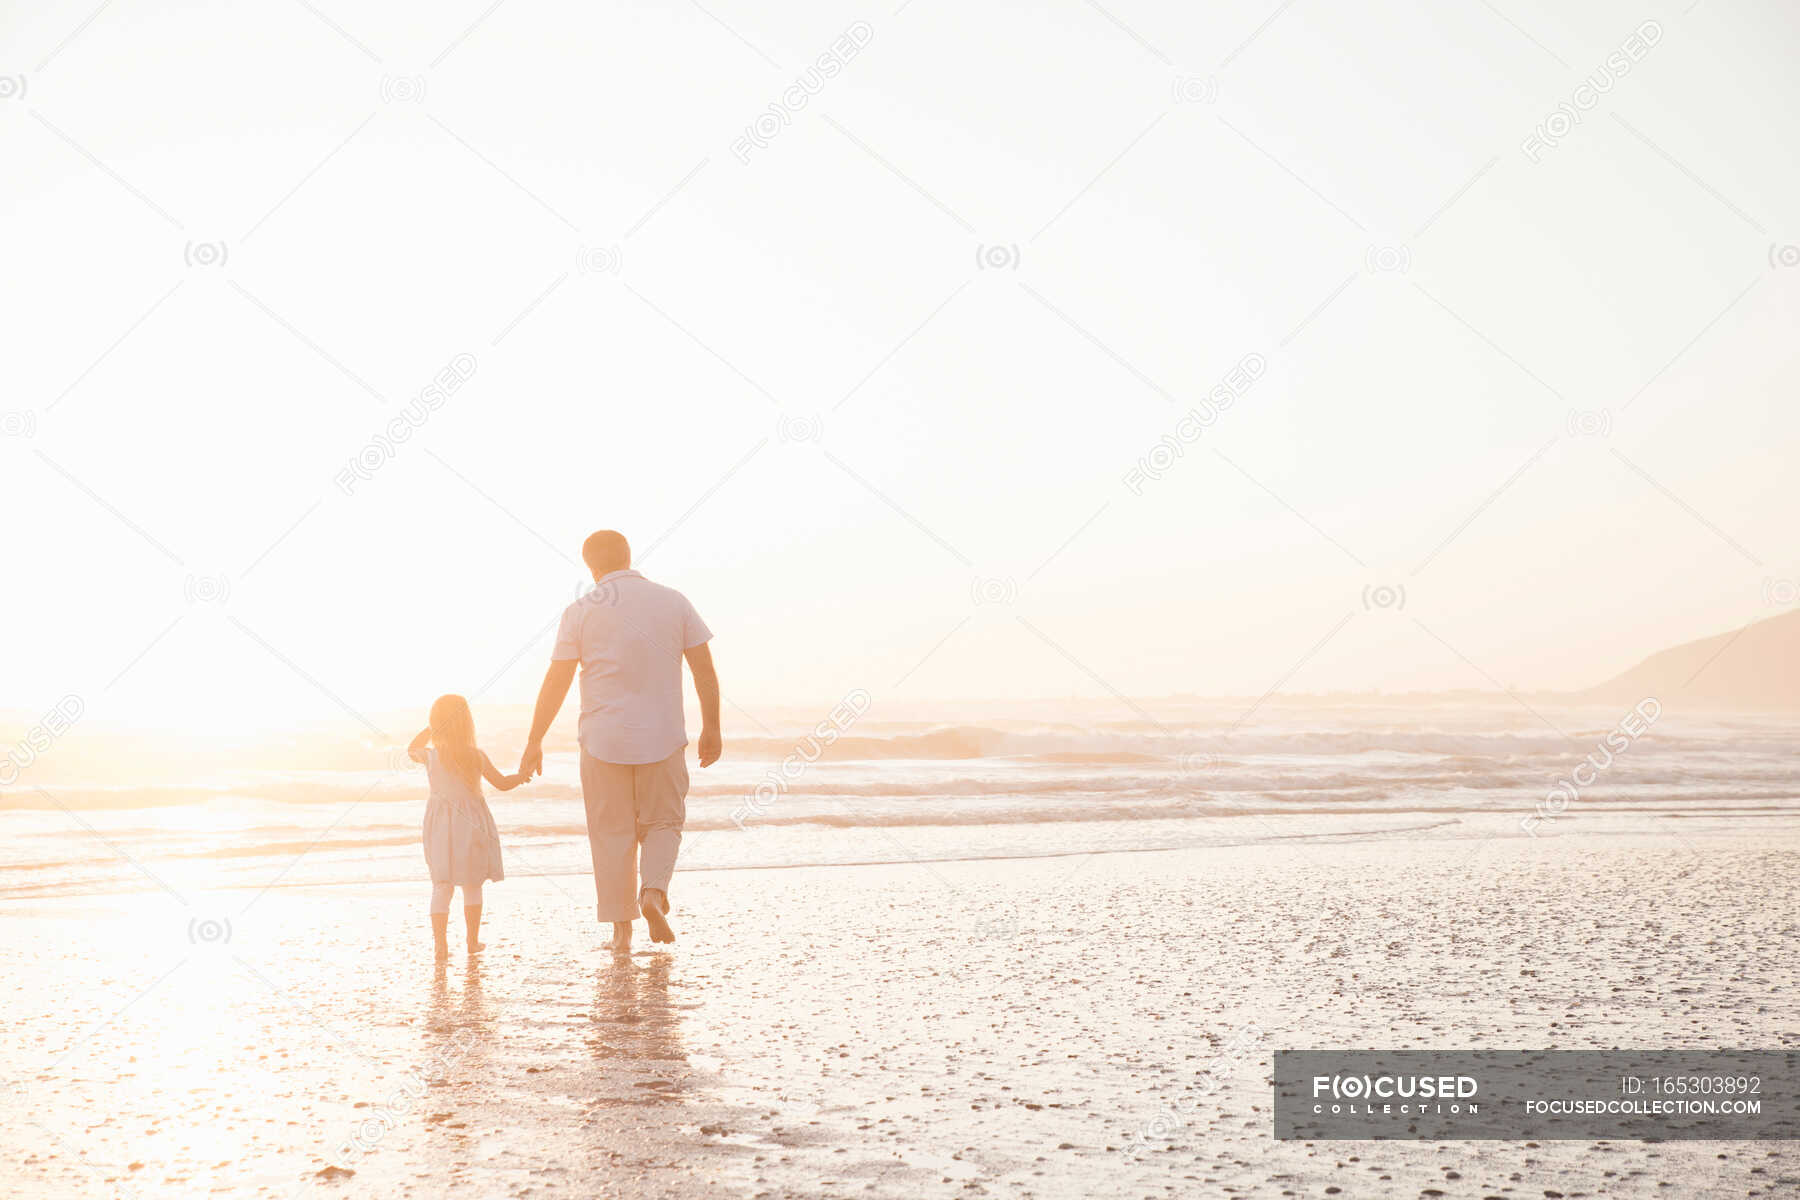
x=606, y=551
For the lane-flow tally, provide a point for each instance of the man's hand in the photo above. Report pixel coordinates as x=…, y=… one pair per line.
x=550, y=697
x=706, y=686
x=711, y=746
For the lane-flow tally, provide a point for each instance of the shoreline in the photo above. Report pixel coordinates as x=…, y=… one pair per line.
x=1502, y=826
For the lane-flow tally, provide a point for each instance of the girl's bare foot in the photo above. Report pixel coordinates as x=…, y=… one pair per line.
x=440, y=934
x=655, y=907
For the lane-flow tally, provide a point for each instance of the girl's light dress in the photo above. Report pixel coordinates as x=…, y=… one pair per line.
x=462, y=845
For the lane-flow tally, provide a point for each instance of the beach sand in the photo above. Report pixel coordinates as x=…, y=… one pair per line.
x=1041, y=1027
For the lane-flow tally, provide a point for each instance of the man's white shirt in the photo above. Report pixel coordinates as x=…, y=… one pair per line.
x=629, y=635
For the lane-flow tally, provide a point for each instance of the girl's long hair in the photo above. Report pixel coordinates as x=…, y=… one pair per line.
x=453, y=734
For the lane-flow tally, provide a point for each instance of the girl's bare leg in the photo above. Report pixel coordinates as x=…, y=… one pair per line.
x=440, y=934
x=472, y=924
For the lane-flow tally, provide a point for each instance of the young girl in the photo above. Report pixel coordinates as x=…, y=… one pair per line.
x=462, y=846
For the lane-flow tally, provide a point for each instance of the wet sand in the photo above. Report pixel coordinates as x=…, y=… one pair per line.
x=1044, y=1027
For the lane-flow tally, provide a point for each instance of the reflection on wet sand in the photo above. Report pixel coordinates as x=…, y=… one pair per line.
x=463, y=1019
x=635, y=1024
x=459, y=1030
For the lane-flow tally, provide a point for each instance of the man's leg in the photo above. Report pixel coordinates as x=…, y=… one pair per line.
x=661, y=793
x=606, y=793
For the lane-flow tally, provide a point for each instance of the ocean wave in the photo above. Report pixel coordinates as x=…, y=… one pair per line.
x=1070, y=782
x=1126, y=744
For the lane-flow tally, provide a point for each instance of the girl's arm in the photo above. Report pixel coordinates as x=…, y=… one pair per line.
x=416, y=751
x=505, y=783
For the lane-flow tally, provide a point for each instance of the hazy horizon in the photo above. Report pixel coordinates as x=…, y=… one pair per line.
x=884, y=394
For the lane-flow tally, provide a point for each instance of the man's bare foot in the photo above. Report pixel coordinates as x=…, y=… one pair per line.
x=655, y=907
x=621, y=938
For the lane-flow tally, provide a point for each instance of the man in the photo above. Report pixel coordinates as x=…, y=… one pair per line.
x=629, y=636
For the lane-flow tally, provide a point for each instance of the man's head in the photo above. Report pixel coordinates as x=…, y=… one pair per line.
x=605, y=552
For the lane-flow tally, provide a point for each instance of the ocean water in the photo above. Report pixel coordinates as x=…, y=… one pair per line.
x=1191, y=774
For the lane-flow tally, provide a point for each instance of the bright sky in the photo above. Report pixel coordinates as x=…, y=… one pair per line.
x=873, y=391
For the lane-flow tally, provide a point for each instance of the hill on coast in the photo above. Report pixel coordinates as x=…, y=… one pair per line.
x=1755, y=666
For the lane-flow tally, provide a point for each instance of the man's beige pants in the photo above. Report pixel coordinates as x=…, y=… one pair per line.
x=631, y=805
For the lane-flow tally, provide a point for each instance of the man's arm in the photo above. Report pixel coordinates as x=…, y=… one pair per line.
x=549, y=702
x=706, y=686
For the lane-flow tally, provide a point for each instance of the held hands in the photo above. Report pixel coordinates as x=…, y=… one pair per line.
x=532, y=761
x=710, y=747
